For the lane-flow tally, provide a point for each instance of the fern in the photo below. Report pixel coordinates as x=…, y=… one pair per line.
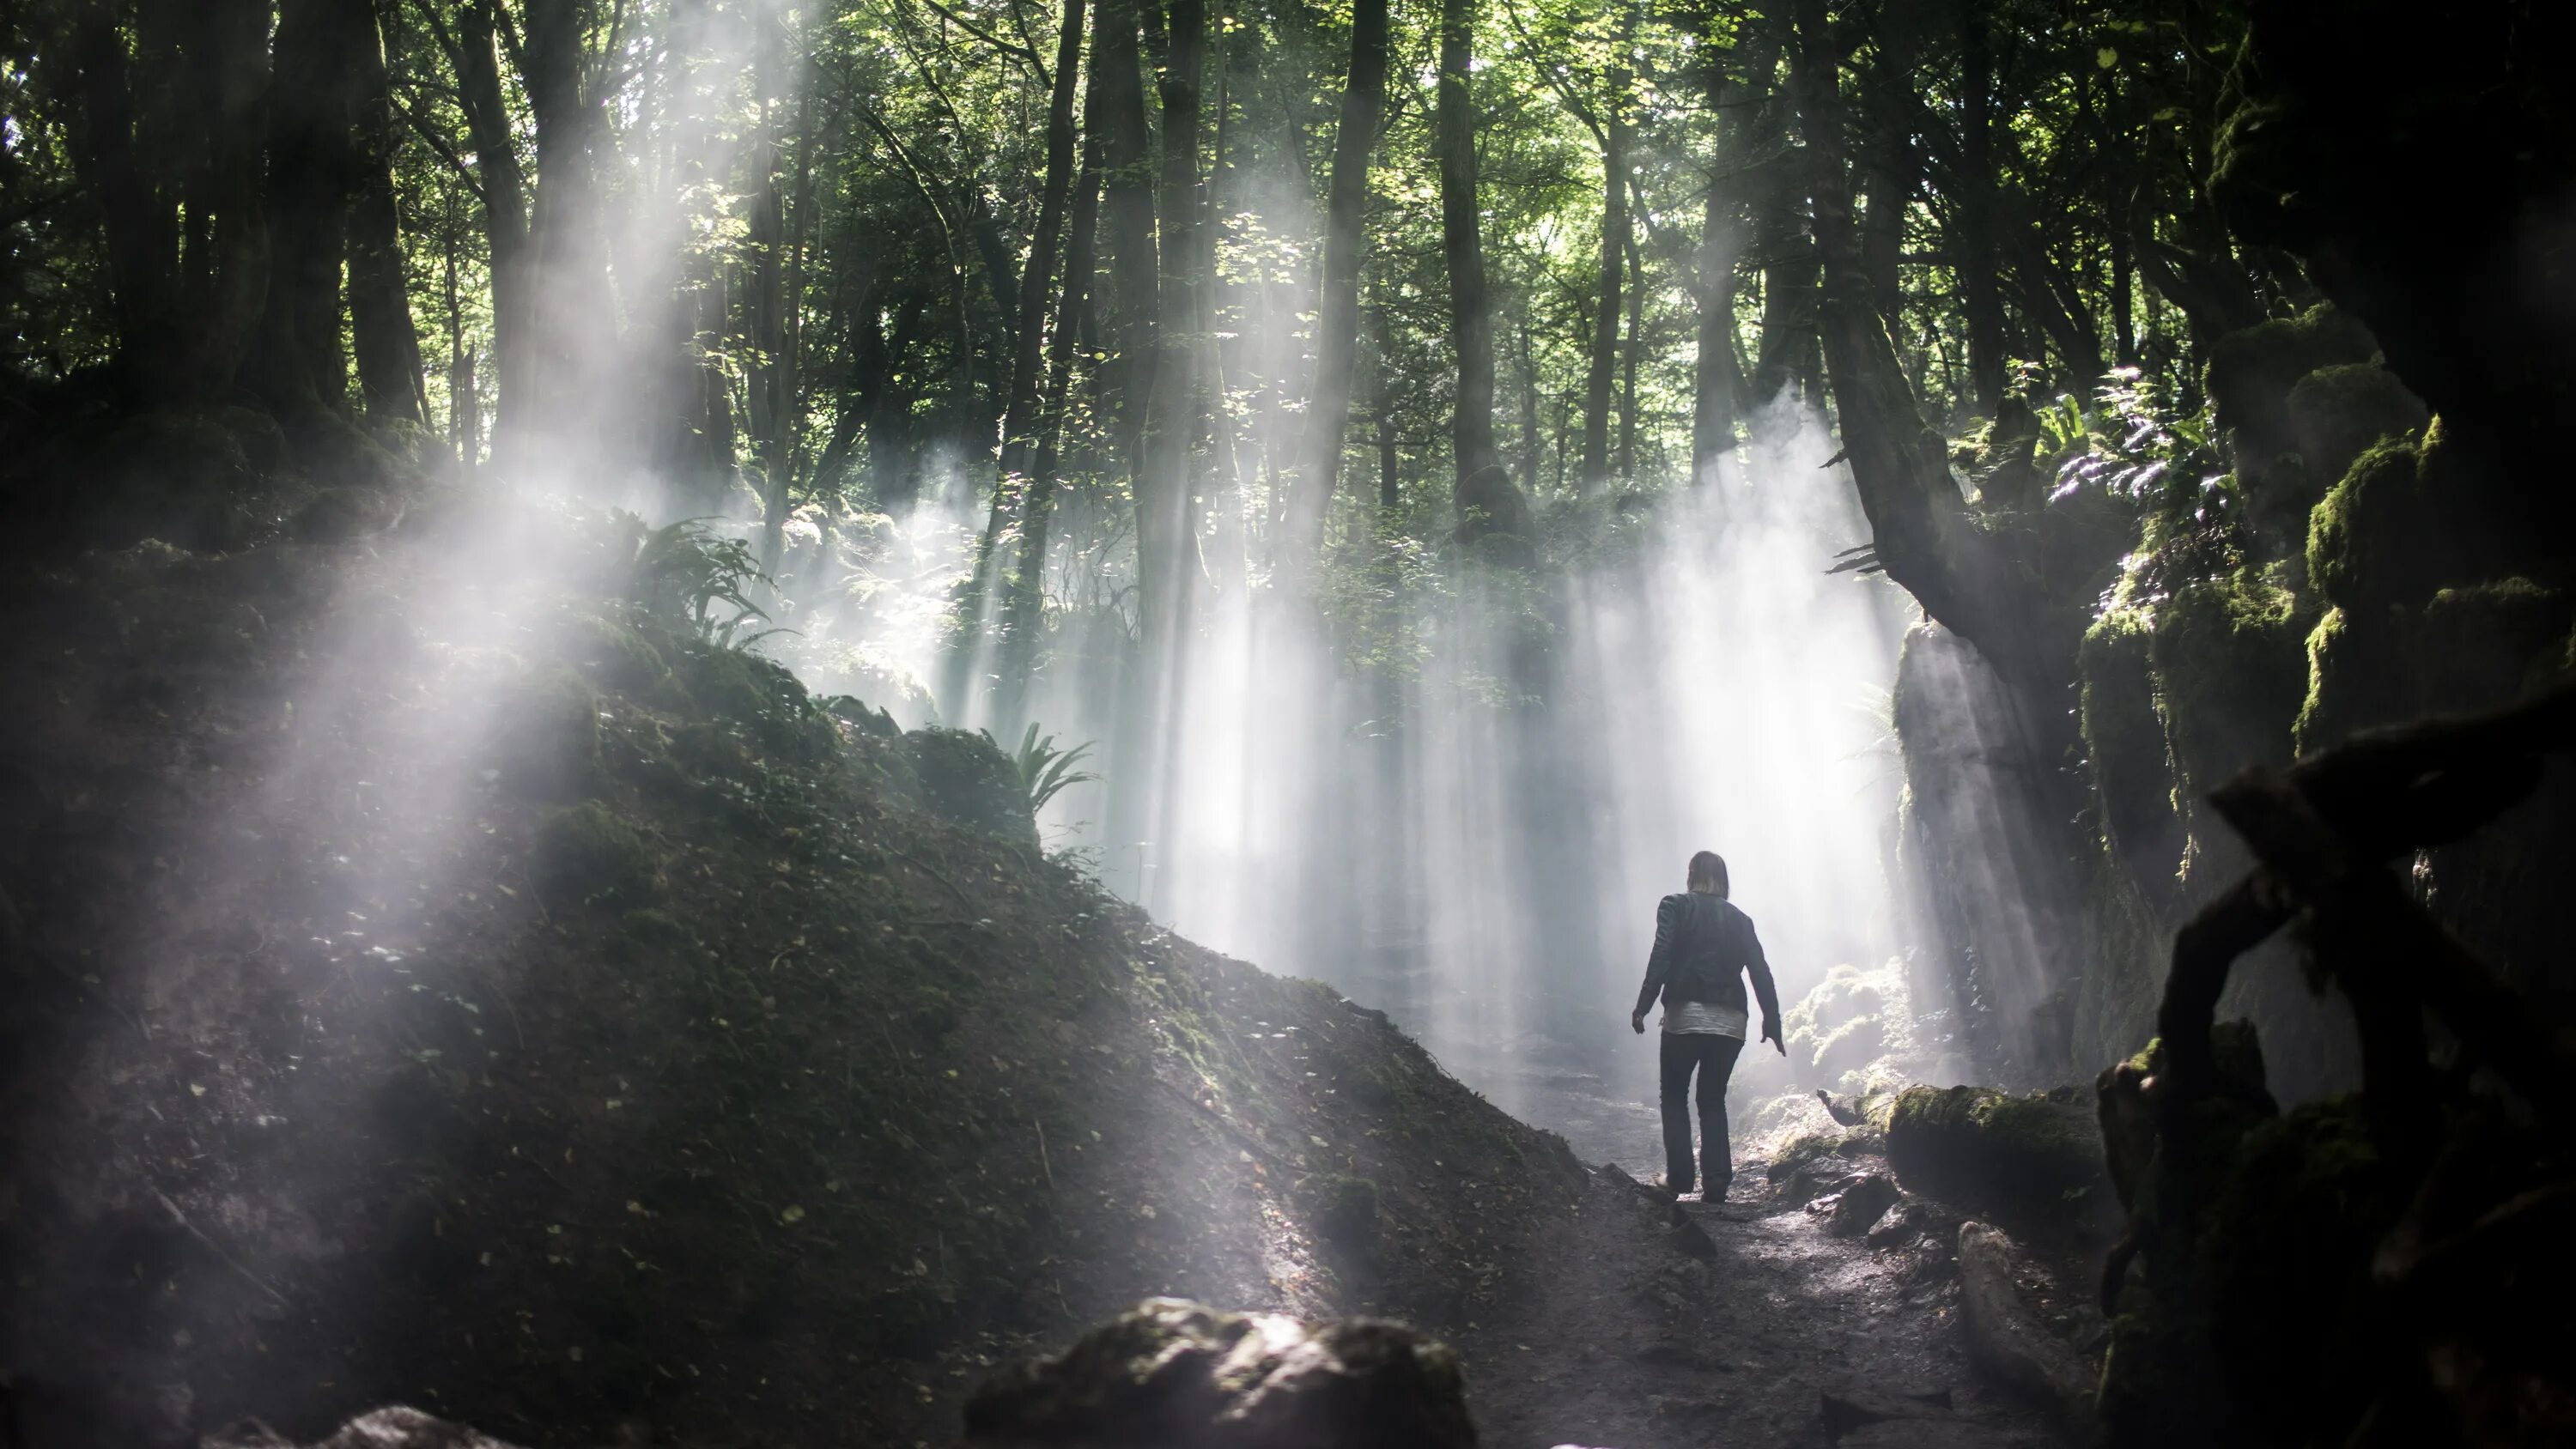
x=704, y=578
x=1045, y=771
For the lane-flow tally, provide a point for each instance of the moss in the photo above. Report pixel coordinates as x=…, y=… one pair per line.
x=545, y=735
x=2338, y=413
x=2231, y=670
x=1804, y=1150
x=1849, y=1019
x=615, y=653
x=2483, y=645
x=966, y=779
x=2289, y=1238
x=2124, y=742
x=2252, y=371
x=585, y=853
x=759, y=694
x=2031, y=1159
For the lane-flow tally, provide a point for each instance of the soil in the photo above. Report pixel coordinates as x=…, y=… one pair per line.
x=427, y=997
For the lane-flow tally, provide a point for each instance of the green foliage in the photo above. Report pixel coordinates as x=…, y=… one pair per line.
x=2130, y=441
x=693, y=576
x=1045, y=771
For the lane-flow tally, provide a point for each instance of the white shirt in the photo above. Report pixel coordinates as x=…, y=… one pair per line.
x=1703, y=1018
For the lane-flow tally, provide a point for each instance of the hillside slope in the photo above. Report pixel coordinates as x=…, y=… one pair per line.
x=453, y=984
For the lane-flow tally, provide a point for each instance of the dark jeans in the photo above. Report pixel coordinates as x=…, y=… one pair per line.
x=1713, y=1057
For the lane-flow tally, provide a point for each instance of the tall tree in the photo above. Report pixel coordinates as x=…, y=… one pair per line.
x=1600, y=374
x=1337, y=329
x=1488, y=502
x=382, y=338
x=1021, y=422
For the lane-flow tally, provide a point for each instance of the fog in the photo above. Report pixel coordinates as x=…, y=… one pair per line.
x=1474, y=838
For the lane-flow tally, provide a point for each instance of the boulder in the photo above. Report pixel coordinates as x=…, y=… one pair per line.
x=967, y=780
x=1860, y=1205
x=390, y=1428
x=2005, y=1338
x=1177, y=1375
x=2033, y=1160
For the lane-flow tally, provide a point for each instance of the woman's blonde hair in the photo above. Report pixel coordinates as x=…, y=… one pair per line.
x=1708, y=868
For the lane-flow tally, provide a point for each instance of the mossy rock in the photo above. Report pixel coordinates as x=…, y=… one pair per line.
x=2230, y=660
x=761, y=695
x=1842, y=1023
x=2285, y=1251
x=2252, y=372
x=2032, y=1160
x=545, y=735
x=965, y=779
x=1803, y=1164
x=2374, y=540
x=2124, y=742
x=616, y=654
x=585, y=853
x=2485, y=645
x=2338, y=413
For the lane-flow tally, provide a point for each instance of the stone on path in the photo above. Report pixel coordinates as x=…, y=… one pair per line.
x=389, y=1428
x=2005, y=1338
x=1860, y=1205
x=1177, y=1375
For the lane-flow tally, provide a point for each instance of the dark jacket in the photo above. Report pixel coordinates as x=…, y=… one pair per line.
x=1703, y=948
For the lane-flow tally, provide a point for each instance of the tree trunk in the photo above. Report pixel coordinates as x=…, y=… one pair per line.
x=1024, y=609
x=227, y=282
x=1973, y=247
x=1964, y=577
x=1629, y=355
x=381, y=334
x=1021, y=422
x=1118, y=94
x=768, y=307
x=1601, y=373
x=1175, y=407
x=313, y=165
x=1488, y=503
x=572, y=316
x=1717, y=379
x=1337, y=328
x=142, y=248
x=472, y=55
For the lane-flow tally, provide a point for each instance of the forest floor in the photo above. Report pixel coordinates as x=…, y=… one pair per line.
x=448, y=987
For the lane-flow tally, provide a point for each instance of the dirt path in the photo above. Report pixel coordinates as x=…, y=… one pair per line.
x=1733, y=1346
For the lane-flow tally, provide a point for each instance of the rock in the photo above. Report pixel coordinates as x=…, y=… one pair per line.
x=1852, y=1405
x=1808, y=1165
x=1179, y=1375
x=1689, y=1237
x=1902, y=1224
x=2033, y=1160
x=967, y=780
x=389, y=1428
x=1860, y=1206
x=2005, y=1338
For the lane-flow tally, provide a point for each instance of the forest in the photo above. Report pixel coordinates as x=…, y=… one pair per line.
x=812, y=721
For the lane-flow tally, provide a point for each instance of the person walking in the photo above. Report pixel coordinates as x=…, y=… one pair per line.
x=1704, y=948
